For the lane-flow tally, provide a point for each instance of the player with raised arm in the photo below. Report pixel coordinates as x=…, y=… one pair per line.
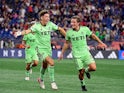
x=77, y=37
x=42, y=30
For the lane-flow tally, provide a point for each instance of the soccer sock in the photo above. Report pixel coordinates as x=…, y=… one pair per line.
x=82, y=82
x=87, y=69
x=51, y=73
x=42, y=72
x=27, y=73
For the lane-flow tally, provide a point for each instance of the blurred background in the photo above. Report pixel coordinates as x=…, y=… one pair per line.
x=105, y=18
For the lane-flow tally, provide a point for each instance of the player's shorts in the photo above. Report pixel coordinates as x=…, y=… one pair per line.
x=84, y=60
x=43, y=53
x=30, y=57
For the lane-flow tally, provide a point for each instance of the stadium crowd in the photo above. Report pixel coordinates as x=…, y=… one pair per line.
x=104, y=17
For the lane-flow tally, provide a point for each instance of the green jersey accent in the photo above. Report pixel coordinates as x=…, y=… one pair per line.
x=78, y=40
x=30, y=41
x=43, y=34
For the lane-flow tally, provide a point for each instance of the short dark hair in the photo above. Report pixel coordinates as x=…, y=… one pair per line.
x=41, y=13
x=77, y=18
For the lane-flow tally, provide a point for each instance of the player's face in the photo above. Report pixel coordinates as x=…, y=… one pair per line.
x=74, y=23
x=45, y=18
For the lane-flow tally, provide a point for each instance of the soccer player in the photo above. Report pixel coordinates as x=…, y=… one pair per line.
x=77, y=37
x=42, y=30
x=29, y=41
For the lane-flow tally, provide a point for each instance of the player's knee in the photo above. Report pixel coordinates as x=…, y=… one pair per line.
x=52, y=64
x=50, y=61
x=35, y=63
x=93, y=68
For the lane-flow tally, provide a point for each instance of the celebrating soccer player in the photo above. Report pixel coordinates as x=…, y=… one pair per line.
x=77, y=37
x=42, y=30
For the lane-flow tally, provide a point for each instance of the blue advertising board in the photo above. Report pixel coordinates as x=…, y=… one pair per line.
x=12, y=53
x=121, y=54
x=20, y=53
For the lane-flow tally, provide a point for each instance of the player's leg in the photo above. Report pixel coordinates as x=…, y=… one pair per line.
x=81, y=78
x=42, y=72
x=42, y=55
x=80, y=67
x=35, y=61
x=33, y=64
x=50, y=62
x=28, y=63
x=91, y=65
x=27, y=71
x=43, y=69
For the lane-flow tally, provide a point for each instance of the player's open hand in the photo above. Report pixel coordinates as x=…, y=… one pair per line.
x=16, y=34
x=102, y=45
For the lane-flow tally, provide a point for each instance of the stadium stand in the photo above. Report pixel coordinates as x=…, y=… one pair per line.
x=104, y=17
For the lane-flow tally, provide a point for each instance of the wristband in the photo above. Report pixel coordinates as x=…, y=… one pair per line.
x=19, y=33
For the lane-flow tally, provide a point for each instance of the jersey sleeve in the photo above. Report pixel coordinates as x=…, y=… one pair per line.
x=54, y=26
x=88, y=31
x=33, y=28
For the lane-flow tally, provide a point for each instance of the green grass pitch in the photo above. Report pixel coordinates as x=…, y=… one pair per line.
x=109, y=77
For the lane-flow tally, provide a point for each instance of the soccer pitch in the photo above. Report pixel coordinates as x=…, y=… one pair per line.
x=109, y=77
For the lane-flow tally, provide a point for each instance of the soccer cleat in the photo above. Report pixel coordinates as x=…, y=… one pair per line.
x=83, y=88
x=27, y=78
x=41, y=82
x=54, y=86
x=30, y=71
x=88, y=75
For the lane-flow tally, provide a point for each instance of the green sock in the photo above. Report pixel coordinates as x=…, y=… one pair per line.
x=87, y=69
x=82, y=82
x=27, y=73
x=42, y=72
x=51, y=73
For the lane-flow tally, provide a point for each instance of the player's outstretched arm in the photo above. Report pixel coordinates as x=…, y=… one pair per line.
x=19, y=33
x=62, y=31
x=26, y=32
x=98, y=40
x=65, y=47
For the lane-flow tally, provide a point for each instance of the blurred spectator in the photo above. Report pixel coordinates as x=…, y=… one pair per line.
x=104, y=17
x=121, y=46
